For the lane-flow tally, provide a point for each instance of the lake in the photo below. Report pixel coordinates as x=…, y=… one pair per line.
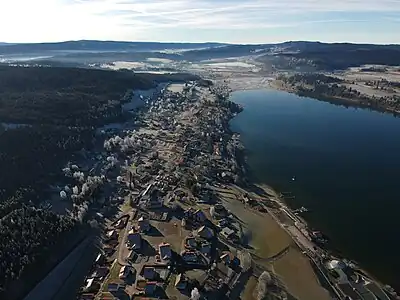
x=346, y=165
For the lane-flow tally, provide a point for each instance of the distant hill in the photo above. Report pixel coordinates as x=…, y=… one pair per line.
x=313, y=46
x=225, y=51
x=322, y=56
x=342, y=55
x=101, y=46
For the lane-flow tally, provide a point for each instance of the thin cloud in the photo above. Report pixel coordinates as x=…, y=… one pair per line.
x=226, y=14
x=138, y=19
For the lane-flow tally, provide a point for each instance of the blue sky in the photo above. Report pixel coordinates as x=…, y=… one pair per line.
x=234, y=21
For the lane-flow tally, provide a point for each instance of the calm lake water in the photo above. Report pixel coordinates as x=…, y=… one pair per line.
x=346, y=164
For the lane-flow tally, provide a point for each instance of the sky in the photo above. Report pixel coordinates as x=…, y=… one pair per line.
x=231, y=21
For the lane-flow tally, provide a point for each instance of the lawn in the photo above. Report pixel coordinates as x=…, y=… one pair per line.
x=248, y=292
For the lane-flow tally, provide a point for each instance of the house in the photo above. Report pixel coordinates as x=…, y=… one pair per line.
x=204, y=197
x=181, y=282
x=199, y=216
x=134, y=239
x=220, y=211
x=144, y=224
x=205, y=232
x=89, y=284
x=150, y=288
x=227, y=257
x=87, y=296
x=165, y=251
x=222, y=223
x=228, y=233
x=205, y=248
x=108, y=251
x=149, y=273
x=132, y=256
x=112, y=243
x=153, y=200
x=190, y=256
x=112, y=235
x=114, y=287
x=100, y=272
x=154, y=203
x=120, y=224
x=195, y=216
x=100, y=259
x=124, y=272
x=190, y=243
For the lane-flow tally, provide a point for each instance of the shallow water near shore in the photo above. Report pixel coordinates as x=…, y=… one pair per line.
x=342, y=163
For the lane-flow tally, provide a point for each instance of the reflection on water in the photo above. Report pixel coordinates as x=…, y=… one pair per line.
x=346, y=165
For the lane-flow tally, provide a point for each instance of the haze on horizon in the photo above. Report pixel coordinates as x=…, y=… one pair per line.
x=232, y=21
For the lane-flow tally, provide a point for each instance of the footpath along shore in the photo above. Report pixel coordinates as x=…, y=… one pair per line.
x=305, y=238
x=184, y=171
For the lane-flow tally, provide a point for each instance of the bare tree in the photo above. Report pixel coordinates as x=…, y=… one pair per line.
x=263, y=281
x=245, y=260
x=212, y=211
x=195, y=295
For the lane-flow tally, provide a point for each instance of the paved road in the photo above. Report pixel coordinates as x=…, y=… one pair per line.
x=122, y=245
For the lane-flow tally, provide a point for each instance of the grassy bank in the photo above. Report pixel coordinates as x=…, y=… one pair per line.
x=267, y=240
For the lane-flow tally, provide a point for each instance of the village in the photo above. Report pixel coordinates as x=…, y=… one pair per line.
x=174, y=208
x=172, y=238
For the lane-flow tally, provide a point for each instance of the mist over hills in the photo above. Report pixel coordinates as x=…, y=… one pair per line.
x=323, y=56
x=101, y=46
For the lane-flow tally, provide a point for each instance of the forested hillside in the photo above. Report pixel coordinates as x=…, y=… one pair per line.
x=343, y=56
x=64, y=96
x=47, y=115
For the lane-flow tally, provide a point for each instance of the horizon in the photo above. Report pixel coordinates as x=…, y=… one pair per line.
x=205, y=42
x=224, y=21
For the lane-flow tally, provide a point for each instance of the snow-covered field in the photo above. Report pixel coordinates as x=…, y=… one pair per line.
x=159, y=60
x=176, y=87
x=117, y=65
x=230, y=64
x=226, y=65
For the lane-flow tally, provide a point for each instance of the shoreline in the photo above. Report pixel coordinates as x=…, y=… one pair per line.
x=280, y=248
x=277, y=237
x=333, y=253
x=341, y=101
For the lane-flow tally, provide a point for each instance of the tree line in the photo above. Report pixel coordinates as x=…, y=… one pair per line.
x=46, y=116
x=27, y=235
x=324, y=87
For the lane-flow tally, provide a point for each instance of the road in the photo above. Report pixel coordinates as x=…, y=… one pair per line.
x=302, y=242
x=122, y=245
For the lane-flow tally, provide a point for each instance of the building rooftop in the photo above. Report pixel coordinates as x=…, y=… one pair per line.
x=165, y=251
x=205, y=232
x=227, y=232
x=336, y=264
